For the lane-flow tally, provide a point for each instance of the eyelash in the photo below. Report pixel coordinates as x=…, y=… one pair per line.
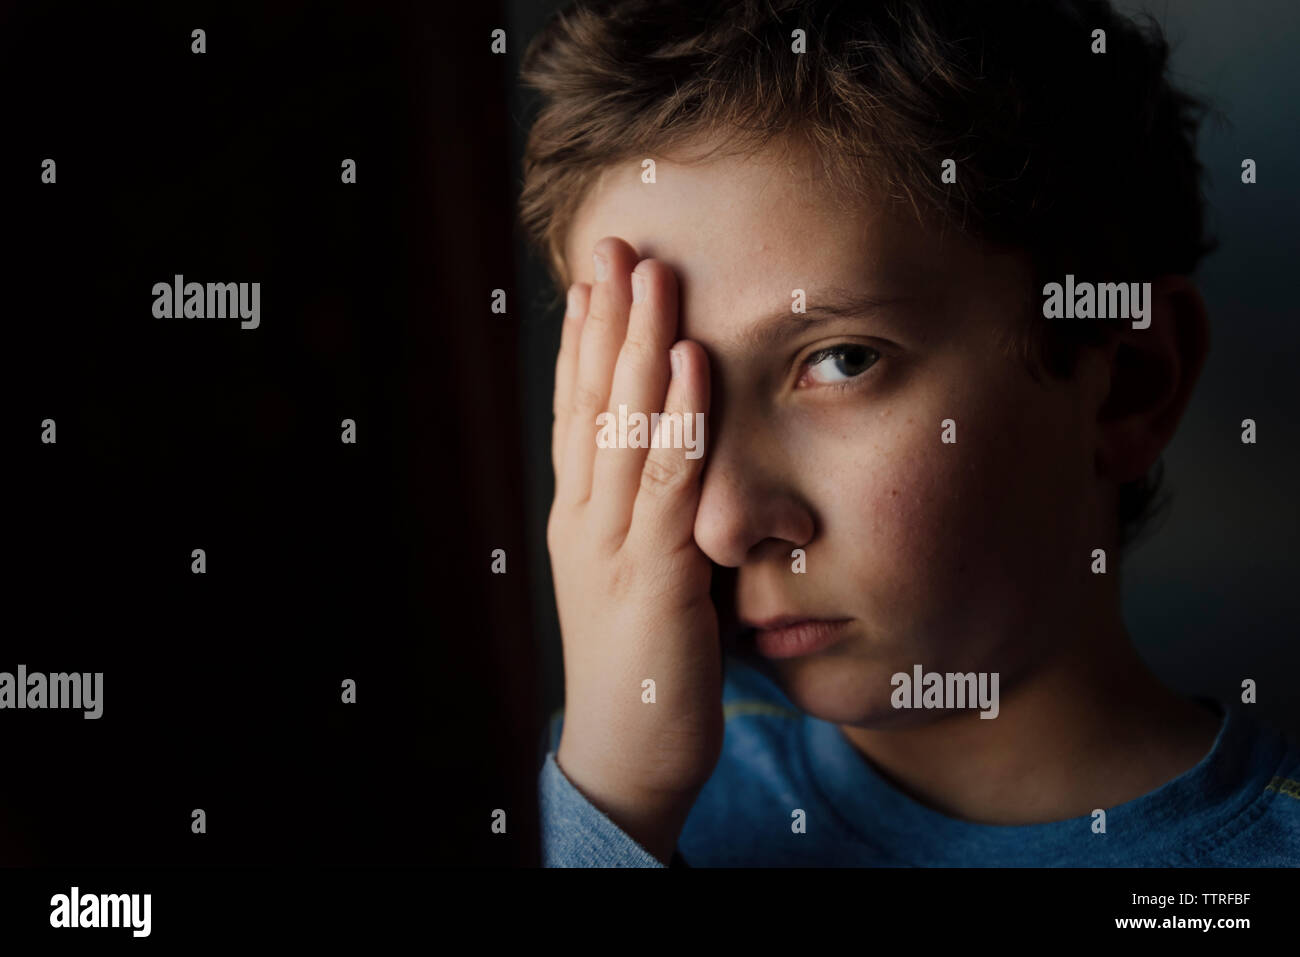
x=835, y=350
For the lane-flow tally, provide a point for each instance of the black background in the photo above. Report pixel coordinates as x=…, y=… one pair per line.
x=325, y=561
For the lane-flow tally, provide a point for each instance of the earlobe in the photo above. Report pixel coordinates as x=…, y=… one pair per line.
x=1153, y=372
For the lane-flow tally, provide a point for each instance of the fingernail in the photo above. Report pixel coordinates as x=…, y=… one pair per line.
x=675, y=360
x=638, y=287
x=572, y=308
x=602, y=267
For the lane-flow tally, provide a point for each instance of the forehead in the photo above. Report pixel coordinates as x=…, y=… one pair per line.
x=743, y=231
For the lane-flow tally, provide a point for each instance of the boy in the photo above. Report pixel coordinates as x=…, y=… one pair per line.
x=878, y=622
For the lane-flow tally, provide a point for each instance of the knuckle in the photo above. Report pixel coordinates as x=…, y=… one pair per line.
x=587, y=401
x=659, y=477
x=599, y=314
x=638, y=353
x=560, y=528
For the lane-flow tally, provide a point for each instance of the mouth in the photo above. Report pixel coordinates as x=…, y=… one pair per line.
x=792, y=636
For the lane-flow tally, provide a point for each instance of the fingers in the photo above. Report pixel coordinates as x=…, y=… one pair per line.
x=566, y=368
x=640, y=379
x=603, y=331
x=663, y=515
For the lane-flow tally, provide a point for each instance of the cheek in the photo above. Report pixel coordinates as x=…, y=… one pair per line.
x=909, y=529
x=939, y=540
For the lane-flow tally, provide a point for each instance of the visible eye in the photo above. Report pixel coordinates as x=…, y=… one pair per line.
x=837, y=365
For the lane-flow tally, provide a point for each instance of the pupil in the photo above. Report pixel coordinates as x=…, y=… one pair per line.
x=853, y=357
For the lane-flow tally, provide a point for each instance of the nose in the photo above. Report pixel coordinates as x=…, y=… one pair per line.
x=749, y=502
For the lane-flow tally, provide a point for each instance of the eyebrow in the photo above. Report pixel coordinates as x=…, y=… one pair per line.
x=777, y=326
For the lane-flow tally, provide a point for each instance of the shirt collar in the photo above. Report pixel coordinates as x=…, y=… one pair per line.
x=1147, y=829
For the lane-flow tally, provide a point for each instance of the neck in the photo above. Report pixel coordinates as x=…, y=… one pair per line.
x=1091, y=727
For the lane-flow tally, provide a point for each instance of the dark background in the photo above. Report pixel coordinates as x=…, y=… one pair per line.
x=325, y=561
x=329, y=561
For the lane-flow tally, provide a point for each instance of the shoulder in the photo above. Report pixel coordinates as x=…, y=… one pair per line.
x=1266, y=830
x=1279, y=824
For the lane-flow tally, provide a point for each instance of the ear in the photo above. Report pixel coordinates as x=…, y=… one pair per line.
x=1152, y=374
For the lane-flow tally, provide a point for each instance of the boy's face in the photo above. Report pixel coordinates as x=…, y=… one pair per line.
x=964, y=556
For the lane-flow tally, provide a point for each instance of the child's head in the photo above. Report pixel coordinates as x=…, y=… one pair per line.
x=824, y=171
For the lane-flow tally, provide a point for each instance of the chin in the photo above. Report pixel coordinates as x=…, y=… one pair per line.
x=837, y=689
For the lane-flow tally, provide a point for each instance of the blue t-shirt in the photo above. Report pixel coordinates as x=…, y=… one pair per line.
x=1240, y=806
